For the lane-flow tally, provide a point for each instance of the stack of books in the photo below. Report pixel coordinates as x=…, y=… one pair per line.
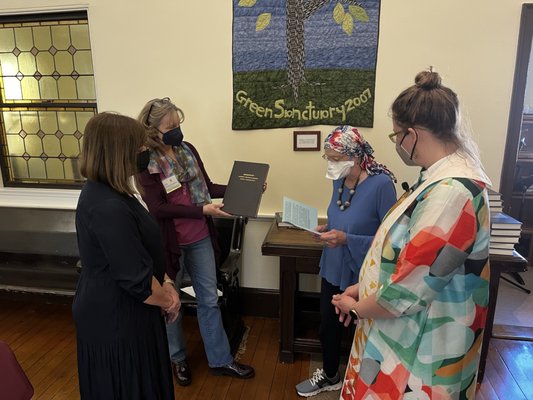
x=495, y=201
x=504, y=234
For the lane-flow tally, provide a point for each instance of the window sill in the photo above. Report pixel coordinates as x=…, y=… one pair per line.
x=59, y=199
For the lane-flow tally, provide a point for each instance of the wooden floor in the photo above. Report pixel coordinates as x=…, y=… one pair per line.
x=43, y=338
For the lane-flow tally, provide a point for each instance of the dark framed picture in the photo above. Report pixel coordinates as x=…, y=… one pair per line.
x=306, y=141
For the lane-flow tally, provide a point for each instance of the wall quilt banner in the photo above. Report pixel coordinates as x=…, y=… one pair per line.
x=304, y=62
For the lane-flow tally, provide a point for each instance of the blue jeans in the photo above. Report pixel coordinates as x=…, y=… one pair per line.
x=199, y=260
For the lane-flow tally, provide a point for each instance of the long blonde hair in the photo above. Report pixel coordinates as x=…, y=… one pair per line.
x=151, y=116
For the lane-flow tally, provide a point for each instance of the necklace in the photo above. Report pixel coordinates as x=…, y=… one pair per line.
x=344, y=205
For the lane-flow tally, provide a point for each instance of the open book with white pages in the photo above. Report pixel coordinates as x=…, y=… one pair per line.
x=300, y=215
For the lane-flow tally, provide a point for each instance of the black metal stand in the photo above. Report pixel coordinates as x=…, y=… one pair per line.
x=517, y=277
x=230, y=238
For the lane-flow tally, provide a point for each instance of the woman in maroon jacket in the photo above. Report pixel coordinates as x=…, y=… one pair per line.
x=178, y=193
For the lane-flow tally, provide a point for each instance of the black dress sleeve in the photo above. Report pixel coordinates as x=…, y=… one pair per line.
x=118, y=235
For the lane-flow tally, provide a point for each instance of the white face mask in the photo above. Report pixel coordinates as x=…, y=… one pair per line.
x=339, y=169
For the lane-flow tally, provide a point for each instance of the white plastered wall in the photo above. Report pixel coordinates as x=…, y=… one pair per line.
x=182, y=49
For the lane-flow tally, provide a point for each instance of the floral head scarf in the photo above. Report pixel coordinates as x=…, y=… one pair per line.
x=346, y=139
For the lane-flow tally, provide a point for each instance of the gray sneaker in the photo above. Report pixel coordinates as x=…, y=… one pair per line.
x=318, y=383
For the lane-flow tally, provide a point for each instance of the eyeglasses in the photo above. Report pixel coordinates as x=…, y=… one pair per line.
x=335, y=159
x=394, y=136
x=163, y=100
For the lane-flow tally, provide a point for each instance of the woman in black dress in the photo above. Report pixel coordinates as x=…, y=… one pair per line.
x=122, y=294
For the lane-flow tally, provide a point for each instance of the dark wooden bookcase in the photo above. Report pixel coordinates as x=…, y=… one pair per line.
x=517, y=173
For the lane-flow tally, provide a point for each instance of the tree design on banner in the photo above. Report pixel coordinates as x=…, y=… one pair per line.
x=304, y=62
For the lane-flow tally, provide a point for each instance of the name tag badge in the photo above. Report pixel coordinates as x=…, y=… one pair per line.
x=171, y=183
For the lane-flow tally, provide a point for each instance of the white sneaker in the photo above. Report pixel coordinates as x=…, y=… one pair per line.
x=318, y=383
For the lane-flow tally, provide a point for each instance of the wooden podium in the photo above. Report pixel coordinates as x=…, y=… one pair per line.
x=298, y=253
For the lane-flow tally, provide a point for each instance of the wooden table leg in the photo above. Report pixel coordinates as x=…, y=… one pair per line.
x=493, y=297
x=287, y=294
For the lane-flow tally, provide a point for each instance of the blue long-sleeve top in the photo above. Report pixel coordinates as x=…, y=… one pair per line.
x=373, y=198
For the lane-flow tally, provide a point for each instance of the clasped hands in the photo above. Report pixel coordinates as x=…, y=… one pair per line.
x=172, y=311
x=345, y=302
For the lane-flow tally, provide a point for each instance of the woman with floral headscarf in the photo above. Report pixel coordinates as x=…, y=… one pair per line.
x=363, y=192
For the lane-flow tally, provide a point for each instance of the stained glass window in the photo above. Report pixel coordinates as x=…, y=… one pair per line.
x=47, y=95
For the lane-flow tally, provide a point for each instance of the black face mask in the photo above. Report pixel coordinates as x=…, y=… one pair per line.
x=143, y=158
x=173, y=137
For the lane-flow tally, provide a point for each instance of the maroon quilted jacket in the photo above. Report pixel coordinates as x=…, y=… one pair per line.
x=155, y=197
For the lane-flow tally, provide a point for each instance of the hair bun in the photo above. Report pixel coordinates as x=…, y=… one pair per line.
x=428, y=80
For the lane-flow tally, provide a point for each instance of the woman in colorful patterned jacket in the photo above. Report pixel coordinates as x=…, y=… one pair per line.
x=423, y=289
